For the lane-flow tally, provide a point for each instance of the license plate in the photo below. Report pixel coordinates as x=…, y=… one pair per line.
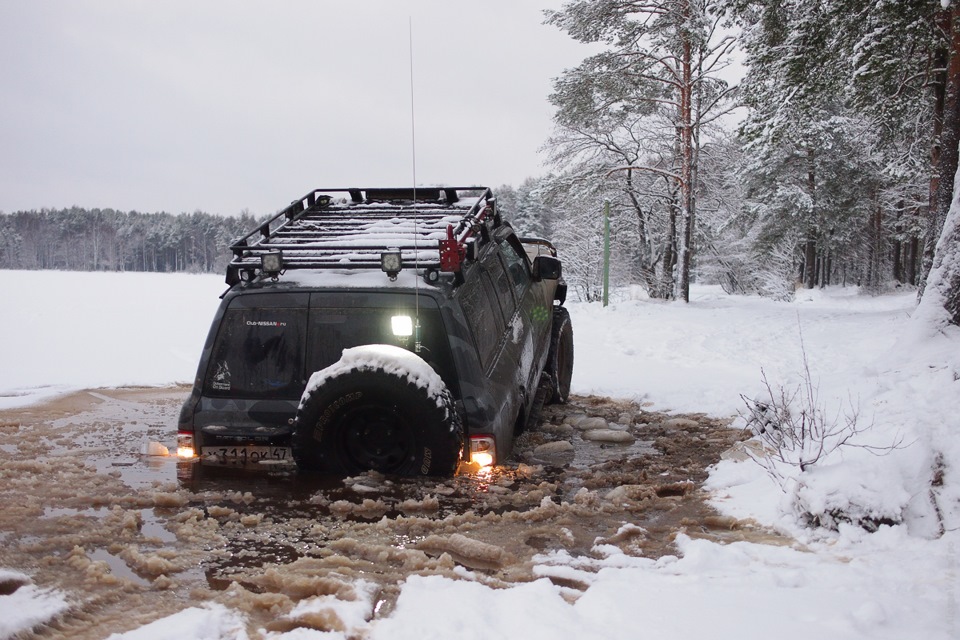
x=247, y=455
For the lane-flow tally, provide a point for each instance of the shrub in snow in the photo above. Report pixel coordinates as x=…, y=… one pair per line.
x=849, y=493
x=797, y=432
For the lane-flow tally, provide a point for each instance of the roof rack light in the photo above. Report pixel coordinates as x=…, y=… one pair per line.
x=391, y=263
x=271, y=263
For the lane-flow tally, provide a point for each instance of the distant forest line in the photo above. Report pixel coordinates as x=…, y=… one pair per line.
x=78, y=239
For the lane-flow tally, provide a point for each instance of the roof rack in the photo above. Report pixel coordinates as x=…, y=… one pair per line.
x=431, y=227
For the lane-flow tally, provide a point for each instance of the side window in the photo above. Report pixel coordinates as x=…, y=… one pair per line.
x=502, y=286
x=517, y=268
x=483, y=316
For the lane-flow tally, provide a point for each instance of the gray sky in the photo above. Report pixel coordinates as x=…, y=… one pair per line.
x=220, y=106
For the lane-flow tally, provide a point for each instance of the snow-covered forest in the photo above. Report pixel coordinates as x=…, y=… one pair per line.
x=829, y=160
x=78, y=239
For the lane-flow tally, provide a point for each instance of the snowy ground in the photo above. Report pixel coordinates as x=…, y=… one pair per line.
x=68, y=330
x=865, y=356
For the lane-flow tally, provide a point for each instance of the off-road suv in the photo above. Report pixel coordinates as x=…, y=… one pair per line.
x=400, y=330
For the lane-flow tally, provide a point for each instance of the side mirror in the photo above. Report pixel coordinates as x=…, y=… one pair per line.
x=546, y=268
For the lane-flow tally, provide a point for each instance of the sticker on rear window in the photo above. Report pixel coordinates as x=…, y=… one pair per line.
x=221, y=379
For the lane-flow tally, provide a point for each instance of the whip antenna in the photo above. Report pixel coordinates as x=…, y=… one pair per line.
x=416, y=231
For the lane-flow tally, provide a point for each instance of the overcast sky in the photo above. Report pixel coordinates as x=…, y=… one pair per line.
x=221, y=106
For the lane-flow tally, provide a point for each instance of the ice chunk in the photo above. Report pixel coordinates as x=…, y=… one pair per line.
x=741, y=451
x=680, y=423
x=467, y=551
x=151, y=448
x=553, y=448
x=587, y=423
x=608, y=435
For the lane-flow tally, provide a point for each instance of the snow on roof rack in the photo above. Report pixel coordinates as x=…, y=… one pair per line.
x=352, y=228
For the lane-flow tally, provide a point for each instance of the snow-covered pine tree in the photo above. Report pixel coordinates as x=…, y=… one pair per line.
x=526, y=207
x=638, y=107
x=885, y=63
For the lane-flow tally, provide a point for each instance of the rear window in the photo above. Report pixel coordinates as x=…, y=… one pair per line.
x=267, y=351
x=333, y=329
x=258, y=353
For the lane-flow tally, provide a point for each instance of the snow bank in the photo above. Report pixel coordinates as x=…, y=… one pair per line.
x=904, y=466
x=196, y=623
x=742, y=590
x=438, y=607
x=857, y=588
x=896, y=377
x=23, y=605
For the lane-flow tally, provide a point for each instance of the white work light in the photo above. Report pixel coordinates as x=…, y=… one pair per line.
x=402, y=326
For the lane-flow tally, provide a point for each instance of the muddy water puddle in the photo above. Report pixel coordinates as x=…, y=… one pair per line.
x=131, y=538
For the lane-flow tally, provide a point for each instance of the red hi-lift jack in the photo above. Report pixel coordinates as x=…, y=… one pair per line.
x=453, y=249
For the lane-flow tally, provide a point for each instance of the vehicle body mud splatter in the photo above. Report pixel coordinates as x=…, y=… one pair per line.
x=131, y=538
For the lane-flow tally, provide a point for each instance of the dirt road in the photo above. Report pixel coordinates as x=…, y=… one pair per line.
x=131, y=538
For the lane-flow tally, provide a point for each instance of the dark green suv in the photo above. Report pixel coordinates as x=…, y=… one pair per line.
x=400, y=330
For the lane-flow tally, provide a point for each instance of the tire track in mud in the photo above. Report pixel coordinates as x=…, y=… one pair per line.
x=130, y=538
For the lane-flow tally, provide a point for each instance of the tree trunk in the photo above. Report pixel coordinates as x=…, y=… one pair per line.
x=810, y=251
x=646, y=259
x=669, y=251
x=913, y=252
x=876, y=248
x=810, y=262
x=898, y=245
x=686, y=165
x=941, y=298
x=945, y=153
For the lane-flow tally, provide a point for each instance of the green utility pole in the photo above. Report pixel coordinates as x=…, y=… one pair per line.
x=606, y=252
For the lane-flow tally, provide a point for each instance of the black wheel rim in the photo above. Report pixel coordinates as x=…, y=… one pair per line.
x=376, y=437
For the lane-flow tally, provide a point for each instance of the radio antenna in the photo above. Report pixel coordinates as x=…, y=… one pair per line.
x=416, y=244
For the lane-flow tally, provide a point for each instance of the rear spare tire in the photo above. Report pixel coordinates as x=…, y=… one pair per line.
x=560, y=358
x=379, y=407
